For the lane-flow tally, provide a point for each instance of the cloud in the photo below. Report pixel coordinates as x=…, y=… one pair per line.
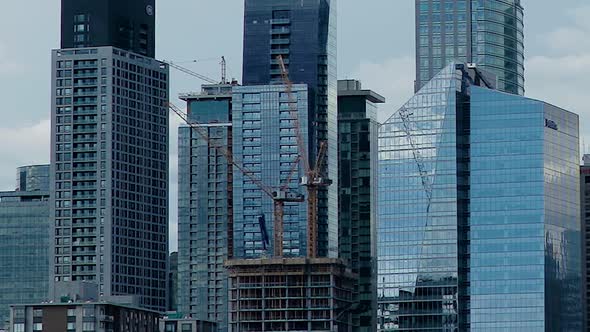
x=22, y=146
x=560, y=77
x=392, y=78
x=566, y=40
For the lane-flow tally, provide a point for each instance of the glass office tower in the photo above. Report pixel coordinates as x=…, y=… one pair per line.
x=109, y=172
x=265, y=143
x=357, y=194
x=486, y=32
x=205, y=214
x=479, y=211
x=24, y=240
x=303, y=33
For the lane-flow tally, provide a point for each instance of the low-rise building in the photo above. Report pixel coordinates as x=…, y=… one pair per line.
x=82, y=317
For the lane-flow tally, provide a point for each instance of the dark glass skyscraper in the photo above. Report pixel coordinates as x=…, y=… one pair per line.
x=357, y=194
x=479, y=223
x=303, y=33
x=486, y=32
x=128, y=24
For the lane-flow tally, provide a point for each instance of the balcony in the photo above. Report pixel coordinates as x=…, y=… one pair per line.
x=280, y=31
x=280, y=51
x=280, y=41
x=280, y=21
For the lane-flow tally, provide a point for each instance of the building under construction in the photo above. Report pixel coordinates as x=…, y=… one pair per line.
x=289, y=294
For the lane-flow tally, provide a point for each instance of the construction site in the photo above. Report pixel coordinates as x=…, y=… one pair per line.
x=289, y=294
x=273, y=292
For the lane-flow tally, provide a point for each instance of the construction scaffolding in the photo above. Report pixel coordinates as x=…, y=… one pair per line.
x=290, y=294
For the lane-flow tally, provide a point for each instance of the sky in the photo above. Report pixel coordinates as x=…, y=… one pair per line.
x=375, y=45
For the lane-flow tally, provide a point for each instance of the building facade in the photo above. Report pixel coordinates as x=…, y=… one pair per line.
x=357, y=194
x=303, y=34
x=585, y=215
x=205, y=214
x=109, y=172
x=488, y=33
x=128, y=25
x=479, y=211
x=83, y=317
x=265, y=143
x=24, y=240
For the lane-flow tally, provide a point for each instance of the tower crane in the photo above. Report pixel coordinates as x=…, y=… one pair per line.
x=312, y=179
x=279, y=197
x=200, y=76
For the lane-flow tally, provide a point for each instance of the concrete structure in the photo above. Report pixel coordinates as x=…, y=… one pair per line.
x=171, y=323
x=265, y=143
x=303, y=33
x=129, y=25
x=290, y=294
x=24, y=240
x=479, y=211
x=109, y=172
x=85, y=316
x=489, y=33
x=205, y=215
x=357, y=194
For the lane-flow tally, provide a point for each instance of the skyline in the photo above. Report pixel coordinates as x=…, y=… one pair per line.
x=552, y=54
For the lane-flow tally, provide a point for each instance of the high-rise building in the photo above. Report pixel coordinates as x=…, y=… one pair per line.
x=585, y=215
x=109, y=151
x=109, y=172
x=303, y=34
x=479, y=222
x=357, y=194
x=265, y=143
x=24, y=240
x=486, y=32
x=205, y=220
x=128, y=25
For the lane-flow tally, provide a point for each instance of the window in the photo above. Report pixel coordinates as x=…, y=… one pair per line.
x=186, y=328
x=88, y=326
x=37, y=327
x=19, y=327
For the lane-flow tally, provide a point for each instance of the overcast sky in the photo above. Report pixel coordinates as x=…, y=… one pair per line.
x=375, y=44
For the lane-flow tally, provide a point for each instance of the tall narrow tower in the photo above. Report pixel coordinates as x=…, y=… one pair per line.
x=109, y=152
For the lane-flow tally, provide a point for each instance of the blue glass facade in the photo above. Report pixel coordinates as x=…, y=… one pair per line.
x=265, y=143
x=417, y=231
x=503, y=171
x=303, y=33
x=204, y=205
x=24, y=244
x=486, y=32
